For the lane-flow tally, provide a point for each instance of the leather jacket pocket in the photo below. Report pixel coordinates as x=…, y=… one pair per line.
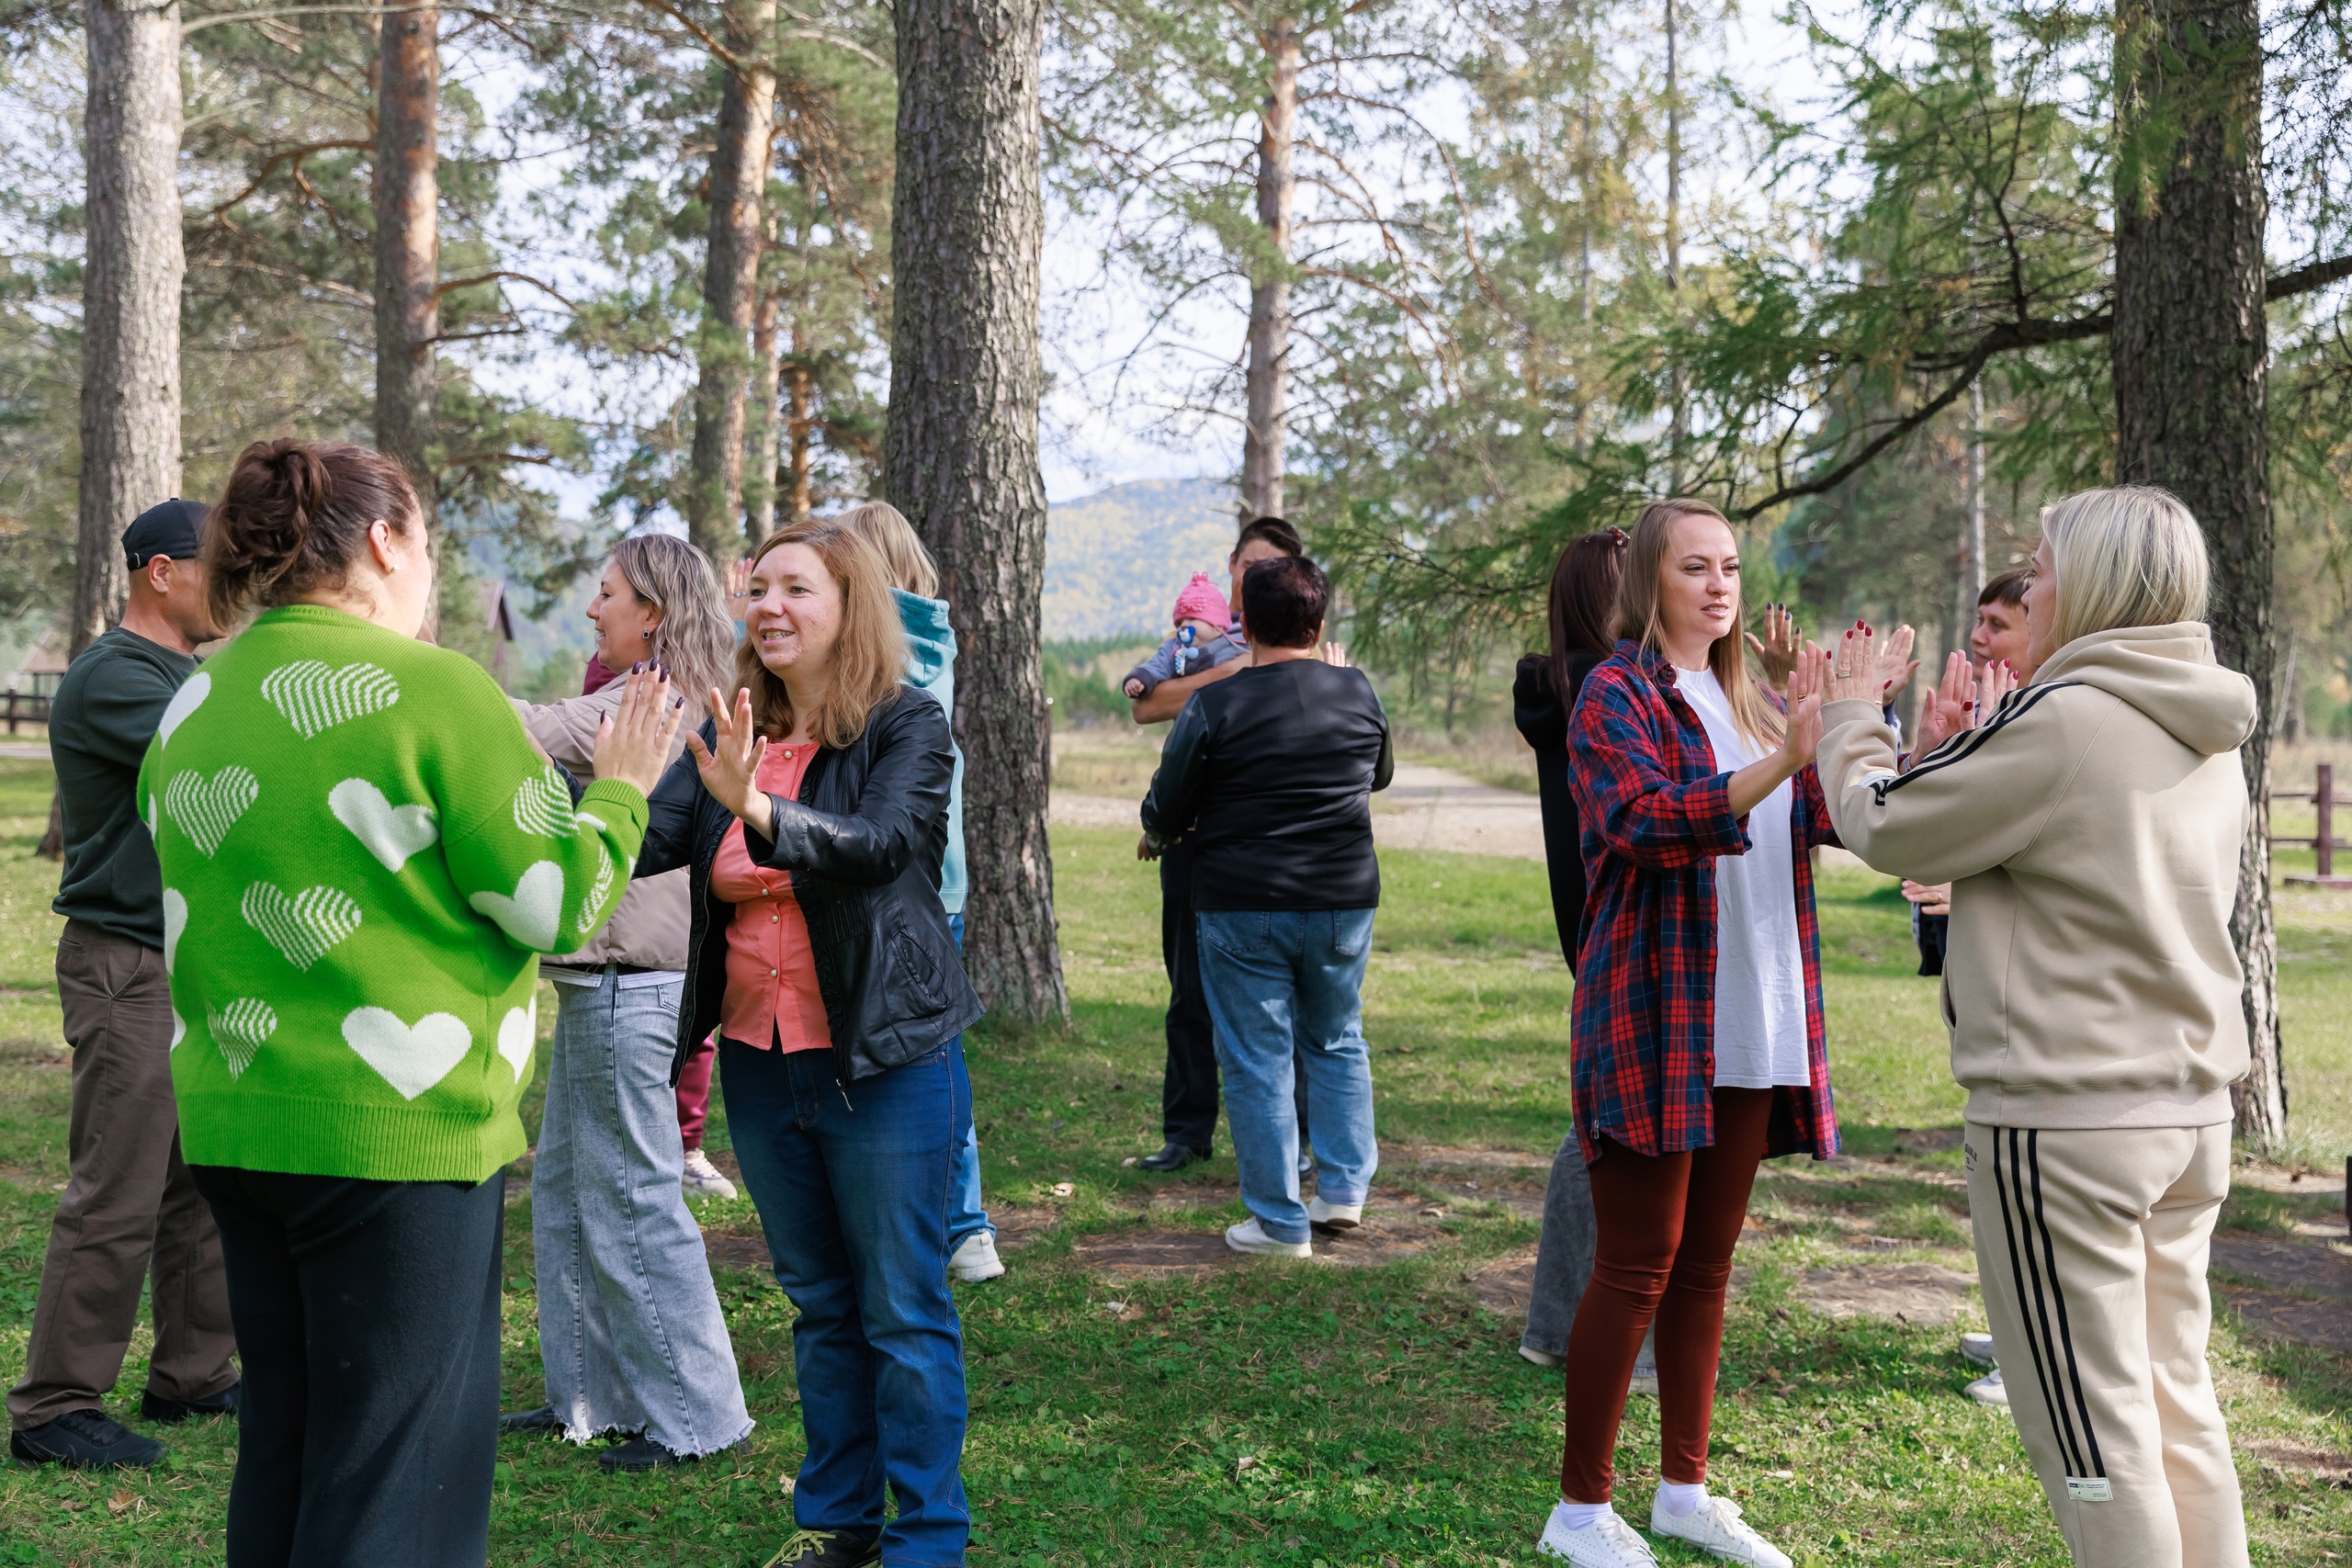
x=913, y=975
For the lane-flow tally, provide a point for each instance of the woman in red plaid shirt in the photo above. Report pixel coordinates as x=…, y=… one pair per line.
x=1698, y=1037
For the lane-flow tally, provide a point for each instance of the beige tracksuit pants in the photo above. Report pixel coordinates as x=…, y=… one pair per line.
x=2091, y=1247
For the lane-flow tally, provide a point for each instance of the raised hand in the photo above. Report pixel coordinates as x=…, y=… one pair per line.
x=1999, y=679
x=730, y=764
x=1892, y=665
x=1779, y=648
x=1801, y=734
x=739, y=583
x=1950, y=708
x=1336, y=654
x=633, y=742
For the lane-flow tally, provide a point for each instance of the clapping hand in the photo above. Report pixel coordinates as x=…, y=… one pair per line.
x=729, y=765
x=633, y=742
x=738, y=581
x=1779, y=648
x=1801, y=736
x=1962, y=699
x=1864, y=670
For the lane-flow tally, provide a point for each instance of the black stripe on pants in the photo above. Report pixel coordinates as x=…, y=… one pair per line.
x=2049, y=1336
x=367, y=1317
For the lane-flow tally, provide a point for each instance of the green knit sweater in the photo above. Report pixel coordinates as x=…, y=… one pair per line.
x=361, y=854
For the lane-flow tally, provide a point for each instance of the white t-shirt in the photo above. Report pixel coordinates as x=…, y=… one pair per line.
x=1759, y=966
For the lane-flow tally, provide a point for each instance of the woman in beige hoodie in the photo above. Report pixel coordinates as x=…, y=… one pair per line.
x=2090, y=826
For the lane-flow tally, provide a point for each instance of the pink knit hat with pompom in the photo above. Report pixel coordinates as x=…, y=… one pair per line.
x=1201, y=602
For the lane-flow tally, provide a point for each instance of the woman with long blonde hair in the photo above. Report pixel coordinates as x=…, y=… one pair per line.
x=1698, y=1043
x=811, y=812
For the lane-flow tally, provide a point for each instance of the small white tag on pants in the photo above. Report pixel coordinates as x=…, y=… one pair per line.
x=2090, y=1489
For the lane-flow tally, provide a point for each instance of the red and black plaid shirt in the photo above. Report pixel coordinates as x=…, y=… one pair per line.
x=1656, y=815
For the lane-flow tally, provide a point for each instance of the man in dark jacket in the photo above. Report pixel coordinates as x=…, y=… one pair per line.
x=129, y=1206
x=1269, y=774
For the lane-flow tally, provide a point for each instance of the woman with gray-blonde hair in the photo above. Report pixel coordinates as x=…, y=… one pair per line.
x=2090, y=824
x=630, y=1334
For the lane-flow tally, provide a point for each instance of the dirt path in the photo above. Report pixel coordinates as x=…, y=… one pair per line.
x=1424, y=808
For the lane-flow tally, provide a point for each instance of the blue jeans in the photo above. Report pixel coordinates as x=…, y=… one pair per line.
x=852, y=1186
x=964, y=1214
x=1284, y=984
x=630, y=1335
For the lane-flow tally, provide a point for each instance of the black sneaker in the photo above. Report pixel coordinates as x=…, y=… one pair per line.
x=829, y=1549
x=86, y=1439
x=543, y=1419
x=153, y=1406
x=1175, y=1156
x=639, y=1453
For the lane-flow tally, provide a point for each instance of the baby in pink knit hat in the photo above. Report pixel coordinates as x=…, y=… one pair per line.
x=1203, y=638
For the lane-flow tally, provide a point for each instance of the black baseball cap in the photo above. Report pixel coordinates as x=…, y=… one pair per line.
x=170, y=529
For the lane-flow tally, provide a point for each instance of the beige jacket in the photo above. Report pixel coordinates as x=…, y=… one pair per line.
x=2091, y=833
x=651, y=926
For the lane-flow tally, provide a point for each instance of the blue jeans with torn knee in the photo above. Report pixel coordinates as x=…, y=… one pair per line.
x=1284, y=984
x=852, y=1186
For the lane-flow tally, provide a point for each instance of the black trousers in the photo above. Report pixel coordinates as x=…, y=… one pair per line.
x=367, y=1317
x=1189, y=1090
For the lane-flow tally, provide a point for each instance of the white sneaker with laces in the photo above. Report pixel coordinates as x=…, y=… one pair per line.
x=1989, y=1390
x=1714, y=1526
x=1334, y=1216
x=1977, y=1347
x=975, y=1258
x=702, y=1179
x=1608, y=1542
x=1540, y=1358
x=1250, y=1236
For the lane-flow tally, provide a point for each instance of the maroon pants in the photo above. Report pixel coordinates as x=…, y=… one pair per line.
x=1667, y=1227
x=694, y=1092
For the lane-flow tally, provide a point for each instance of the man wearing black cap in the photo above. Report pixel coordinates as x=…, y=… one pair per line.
x=130, y=1205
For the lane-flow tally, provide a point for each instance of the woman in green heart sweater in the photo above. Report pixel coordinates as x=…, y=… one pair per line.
x=362, y=858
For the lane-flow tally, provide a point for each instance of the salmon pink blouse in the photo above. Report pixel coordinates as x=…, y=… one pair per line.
x=771, y=996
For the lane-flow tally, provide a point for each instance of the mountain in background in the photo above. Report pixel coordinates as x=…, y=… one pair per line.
x=1116, y=559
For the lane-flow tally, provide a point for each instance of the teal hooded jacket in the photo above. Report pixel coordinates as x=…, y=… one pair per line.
x=931, y=664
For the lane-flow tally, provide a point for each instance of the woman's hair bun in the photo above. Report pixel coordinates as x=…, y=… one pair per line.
x=293, y=517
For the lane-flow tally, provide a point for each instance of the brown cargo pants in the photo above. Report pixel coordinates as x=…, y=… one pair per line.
x=129, y=1206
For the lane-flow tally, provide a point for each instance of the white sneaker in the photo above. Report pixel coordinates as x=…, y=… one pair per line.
x=1608, y=1542
x=1334, y=1216
x=702, y=1179
x=1250, y=1236
x=1540, y=1358
x=975, y=1258
x=1989, y=1390
x=1714, y=1526
x=1977, y=1347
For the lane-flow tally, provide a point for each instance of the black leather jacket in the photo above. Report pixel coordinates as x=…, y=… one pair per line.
x=864, y=844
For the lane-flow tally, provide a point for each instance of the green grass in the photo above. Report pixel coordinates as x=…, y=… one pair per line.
x=1383, y=1411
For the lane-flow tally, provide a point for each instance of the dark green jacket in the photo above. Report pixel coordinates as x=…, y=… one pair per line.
x=106, y=711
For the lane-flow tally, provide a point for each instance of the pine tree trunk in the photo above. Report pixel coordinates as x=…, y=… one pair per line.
x=131, y=296
x=1268, y=374
x=960, y=453
x=800, y=427
x=760, y=475
x=2189, y=349
x=407, y=199
x=739, y=171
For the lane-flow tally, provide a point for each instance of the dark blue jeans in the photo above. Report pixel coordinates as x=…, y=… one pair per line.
x=852, y=1186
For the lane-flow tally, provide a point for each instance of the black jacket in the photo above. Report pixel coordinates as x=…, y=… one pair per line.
x=106, y=711
x=1268, y=775
x=864, y=844
x=1543, y=720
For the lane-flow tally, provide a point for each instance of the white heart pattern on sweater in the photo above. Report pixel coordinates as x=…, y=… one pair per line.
x=543, y=806
x=206, y=808
x=410, y=1057
x=184, y=701
x=315, y=697
x=516, y=1032
x=179, y=1029
x=392, y=833
x=175, y=922
x=239, y=1029
x=535, y=913
x=598, y=891
x=303, y=926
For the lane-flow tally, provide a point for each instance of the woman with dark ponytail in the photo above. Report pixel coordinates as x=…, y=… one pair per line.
x=367, y=857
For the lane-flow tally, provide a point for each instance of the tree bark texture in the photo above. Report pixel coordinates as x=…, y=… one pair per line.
x=1268, y=374
x=406, y=194
x=960, y=453
x=2189, y=349
x=130, y=295
x=760, y=475
x=800, y=430
x=739, y=173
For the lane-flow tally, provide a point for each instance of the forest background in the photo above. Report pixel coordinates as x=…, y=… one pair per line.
x=1446, y=284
